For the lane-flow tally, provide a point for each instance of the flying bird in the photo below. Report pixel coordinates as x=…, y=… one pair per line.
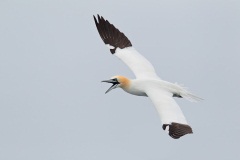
x=147, y=82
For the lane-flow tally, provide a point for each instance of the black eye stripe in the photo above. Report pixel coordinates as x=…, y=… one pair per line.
x=115, y=79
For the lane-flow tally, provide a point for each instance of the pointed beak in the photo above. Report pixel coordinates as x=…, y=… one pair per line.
x=109, y=81
x=114, y=82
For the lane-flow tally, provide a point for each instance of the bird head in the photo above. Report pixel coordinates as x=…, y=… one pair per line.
x=118, y=81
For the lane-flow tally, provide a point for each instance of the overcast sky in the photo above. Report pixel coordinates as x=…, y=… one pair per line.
x=52, y=61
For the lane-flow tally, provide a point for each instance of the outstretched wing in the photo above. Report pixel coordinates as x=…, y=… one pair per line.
x=170, y=113
x=121, y=46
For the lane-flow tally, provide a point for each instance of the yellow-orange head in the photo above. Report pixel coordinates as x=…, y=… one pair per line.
x=124, y=82
x=118, y=81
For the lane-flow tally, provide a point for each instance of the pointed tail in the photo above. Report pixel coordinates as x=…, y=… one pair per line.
x=188, y=95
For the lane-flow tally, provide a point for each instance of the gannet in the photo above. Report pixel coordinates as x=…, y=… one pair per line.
x=147, y=82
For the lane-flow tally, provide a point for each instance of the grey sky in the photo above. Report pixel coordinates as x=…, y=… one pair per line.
x=53, y=106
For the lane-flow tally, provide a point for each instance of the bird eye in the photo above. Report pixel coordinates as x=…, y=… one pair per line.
x=115, y=79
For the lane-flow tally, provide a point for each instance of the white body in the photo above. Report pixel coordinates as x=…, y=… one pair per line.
x=147, y=83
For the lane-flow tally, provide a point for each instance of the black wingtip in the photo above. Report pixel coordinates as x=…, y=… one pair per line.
x=177, y=130
x=95, y=20
x=110, y=34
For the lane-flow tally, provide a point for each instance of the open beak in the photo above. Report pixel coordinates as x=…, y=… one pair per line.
x=114, y=84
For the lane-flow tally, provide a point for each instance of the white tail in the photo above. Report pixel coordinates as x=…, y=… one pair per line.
x=187, y=95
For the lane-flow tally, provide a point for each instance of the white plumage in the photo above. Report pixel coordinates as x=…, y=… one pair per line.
x=147, y=83
x=140, y=66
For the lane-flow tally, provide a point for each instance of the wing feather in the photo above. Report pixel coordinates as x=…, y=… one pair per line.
x=170, y=113
x=121, y=46
x=140, y=66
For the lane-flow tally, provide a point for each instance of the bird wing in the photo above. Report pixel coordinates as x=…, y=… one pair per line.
x=121, y=46
x=170, y=113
